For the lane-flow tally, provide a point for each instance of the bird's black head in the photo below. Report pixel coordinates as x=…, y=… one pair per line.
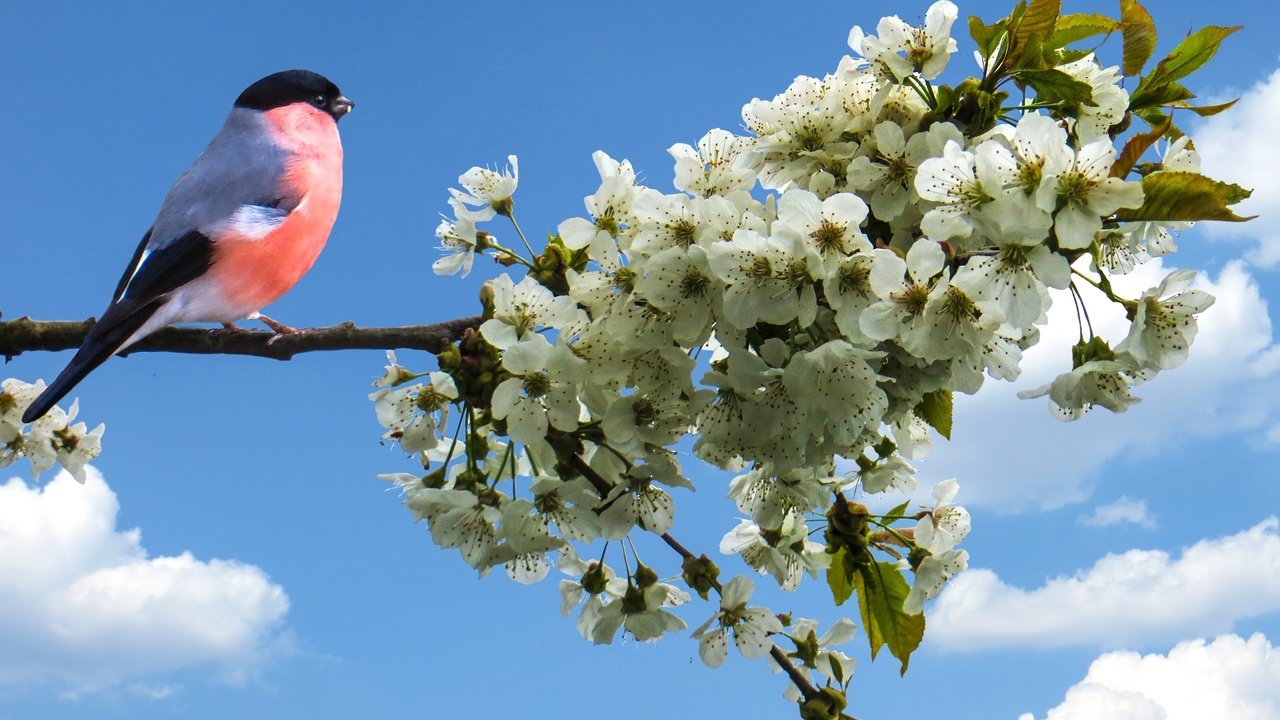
x=295, y=86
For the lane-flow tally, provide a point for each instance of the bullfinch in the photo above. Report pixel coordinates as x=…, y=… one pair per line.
x=238, y=228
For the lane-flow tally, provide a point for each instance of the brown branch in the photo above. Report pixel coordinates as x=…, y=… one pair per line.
x=801, y=682
x=27, y=335
x=681, y=549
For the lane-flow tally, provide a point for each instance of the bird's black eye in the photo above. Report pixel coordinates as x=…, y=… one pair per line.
x=320, y=100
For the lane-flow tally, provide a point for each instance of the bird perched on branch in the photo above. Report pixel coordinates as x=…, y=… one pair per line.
x=237, y=230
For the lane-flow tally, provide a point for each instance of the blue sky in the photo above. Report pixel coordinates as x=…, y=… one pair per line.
x=271, y=466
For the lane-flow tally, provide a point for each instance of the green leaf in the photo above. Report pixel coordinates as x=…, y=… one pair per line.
x=1195, y=50
x=1156, y=117
x=1056, y=86
x=1186, y=196
x=935, y=409
x=899, y=510
x=1153, y=115
x=1163, y=95
x=1207, y=110
x=839, y=578
x=1136, y=146
x=1031, y=55
x=1139, y=33
x=1186, y=58
x=1078, y=26
x=1231, y=193
x=1066, y=55
x=1039, y=21
x=881, y=592
x=986, y=36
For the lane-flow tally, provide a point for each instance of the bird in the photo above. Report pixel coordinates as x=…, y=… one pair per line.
x=237, y=230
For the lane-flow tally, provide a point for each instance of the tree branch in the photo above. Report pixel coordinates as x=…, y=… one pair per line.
x=27, y=335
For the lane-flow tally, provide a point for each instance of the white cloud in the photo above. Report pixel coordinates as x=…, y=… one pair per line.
x=81, y=604
x=1228, y=678
x=1238, y=146
x=161, y=691
x=1011, y=455
x=1135, y=598
x=1122, y=510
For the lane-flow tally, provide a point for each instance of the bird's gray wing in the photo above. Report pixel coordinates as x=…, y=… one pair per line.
x=235, y=184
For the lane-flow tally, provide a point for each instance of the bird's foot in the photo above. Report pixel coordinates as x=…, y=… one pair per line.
x=226, y=329
x=279, y=328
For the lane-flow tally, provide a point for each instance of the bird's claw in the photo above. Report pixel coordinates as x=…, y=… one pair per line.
x=279, y=328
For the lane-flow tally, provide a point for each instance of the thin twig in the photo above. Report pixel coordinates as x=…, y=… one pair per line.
x=27, y=335
x=675, y=545
x=603, y=488
x=801, y=682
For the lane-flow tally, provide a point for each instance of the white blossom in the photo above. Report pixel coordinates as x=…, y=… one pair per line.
x=1085, y=193
x=541, y=390
x=520, y=308
x=770, y=279
x=750, y=625
x=960, y=187
x=1096, y=382
x=1164, y=323
x=815, y=654
x=718, y=166
x=460, y=239
x=885, y=168
x=490, y=188
x=924, y=50
x=15, y=397
x=785, y=553
x=830, y=227
x=904, y=290
x=412, y=414
x=938, y=533
x=641, y=612
x=1109, y=100
x=459, y=519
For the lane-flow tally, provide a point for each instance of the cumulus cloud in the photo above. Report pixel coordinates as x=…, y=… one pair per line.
x=1228, y=678
x=1011, y=455
x=1125, y=600
x=1122, y=510
x=1220, y=140
x=83, y=606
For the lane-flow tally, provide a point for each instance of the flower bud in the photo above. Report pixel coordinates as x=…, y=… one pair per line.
x=828, y=704
x=594, y=579
x=847, y=524
x=435, y=478
x=644, y=576
x=700, y=574
x=633, y=601
x=916, y=557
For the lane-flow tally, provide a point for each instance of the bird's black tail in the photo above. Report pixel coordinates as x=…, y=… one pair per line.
x=116, y=326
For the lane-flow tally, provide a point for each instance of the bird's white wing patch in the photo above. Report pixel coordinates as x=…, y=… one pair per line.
x=255, y=222
x=124, y=290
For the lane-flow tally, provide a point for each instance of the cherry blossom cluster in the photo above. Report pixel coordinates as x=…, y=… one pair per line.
x=798, y=313
x=53, y=438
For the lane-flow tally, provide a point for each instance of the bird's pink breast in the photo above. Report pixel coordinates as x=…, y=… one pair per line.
x=251, y=273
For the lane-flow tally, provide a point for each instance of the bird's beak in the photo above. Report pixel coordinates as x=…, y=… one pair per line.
x=340, y=106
